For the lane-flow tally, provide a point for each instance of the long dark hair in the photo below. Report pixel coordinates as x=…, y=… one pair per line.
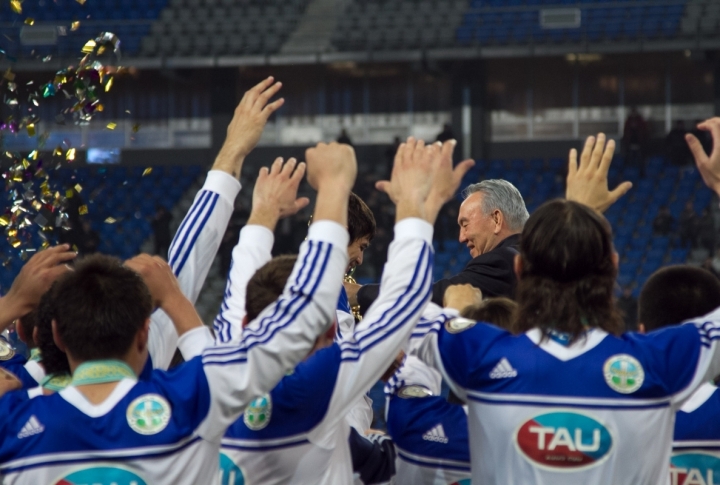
x=567, y=276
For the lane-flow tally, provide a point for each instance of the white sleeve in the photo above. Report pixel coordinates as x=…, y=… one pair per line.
x=250, y=254
x=404, y=291
x=193, y=342
x=191, y=254
x=414, y=372
x=708, y=360
x=282, y=335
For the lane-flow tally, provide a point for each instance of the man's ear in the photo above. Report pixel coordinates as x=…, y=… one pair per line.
x=616, y=260
x=517, y=266
x=499, y=218
x=56, y=337
x=21, y=330
x=141, y=338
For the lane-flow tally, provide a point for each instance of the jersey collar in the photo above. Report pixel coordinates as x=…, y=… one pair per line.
x=592, y=339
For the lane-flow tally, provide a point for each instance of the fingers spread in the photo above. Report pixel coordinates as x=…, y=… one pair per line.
x=587, y=151
x=572, y=163
x=696, y=148
x=276, y=166
x=598, y=151
x=620, y=190
x=607, y=157
x=288, y=168
x=265, y=96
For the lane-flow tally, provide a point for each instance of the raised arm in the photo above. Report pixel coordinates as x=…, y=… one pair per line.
x=198, y=238
x=274, y=197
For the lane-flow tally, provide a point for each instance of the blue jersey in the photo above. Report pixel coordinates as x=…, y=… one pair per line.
x=598, y=411
x=16, y=365
x=696, y=444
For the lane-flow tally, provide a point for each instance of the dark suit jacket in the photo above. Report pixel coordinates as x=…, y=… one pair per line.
x=491, y=272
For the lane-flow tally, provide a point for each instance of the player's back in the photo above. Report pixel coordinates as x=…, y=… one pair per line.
x=696, y=444
x=143, y=433
x=598, y=411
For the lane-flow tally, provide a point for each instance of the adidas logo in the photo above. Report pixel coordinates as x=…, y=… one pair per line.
x=32, y=427
x=436, y=434
x=503, y=370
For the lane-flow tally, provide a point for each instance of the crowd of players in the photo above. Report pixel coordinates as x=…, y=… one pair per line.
x=549, y=391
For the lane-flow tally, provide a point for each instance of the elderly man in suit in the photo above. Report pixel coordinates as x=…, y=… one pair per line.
x=491, y=218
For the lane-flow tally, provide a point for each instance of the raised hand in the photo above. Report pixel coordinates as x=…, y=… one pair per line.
x=34, y=279
x=709, y=166
x=247, y=125
x=331, y=170
x=275, y=193
x=461, y=296
x=588, y=182
x=158, y=276
x=446, y=180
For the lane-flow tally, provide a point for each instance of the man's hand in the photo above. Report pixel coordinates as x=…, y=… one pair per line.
x=588, y=183
x=247, y=125
x=460, y=297
x=412, y=177
x=352, y=290
x=446, y=180
x=34, y=279
x=331, y=170
x=159, y=278
x=709, y=166
x=275, y=193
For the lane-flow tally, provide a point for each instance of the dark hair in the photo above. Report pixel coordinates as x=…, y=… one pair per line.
x=54, y=360
x=28, y=324
x=498, y=311
x=361, y=221
x=100, y=307
x=677, y=293
x=267, y=284
x=567, y=276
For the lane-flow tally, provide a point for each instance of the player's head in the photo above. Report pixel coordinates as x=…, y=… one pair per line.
x=361, y=227
x=102, y=311
x=566, y=271
x=266, y=286
x=498, y=311
x=26, y=328
x=492, y=211
x=674, y=294
x=54, y=360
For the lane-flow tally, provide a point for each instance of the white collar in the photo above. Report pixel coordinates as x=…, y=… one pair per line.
x=591, y=340
x=77, y=399
x=35, y=370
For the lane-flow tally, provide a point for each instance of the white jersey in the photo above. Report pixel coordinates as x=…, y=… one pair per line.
x=252, y=252
x=167, y=431
x=599, y=411
x=298, y=432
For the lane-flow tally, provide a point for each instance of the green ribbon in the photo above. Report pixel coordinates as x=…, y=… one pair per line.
x=101, y=372
x=35, y=355
x=56, y=382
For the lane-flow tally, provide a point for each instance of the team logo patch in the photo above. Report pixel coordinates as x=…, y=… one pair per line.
x=409, y=392
x=101, y=475
x=694, y=468
x=459, y=324
x=258, y=413
x=623, y=373
x=149, y=414
x=564, y=441
x=230, y=472
x=6, y=350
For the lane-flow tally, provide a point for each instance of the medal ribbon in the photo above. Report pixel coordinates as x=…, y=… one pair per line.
x=101, y=372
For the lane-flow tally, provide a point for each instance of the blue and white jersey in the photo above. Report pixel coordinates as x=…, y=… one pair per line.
x=430, y=434
x=298, y=433
x=167, y=430
x=599, y=411
x=18, y=365
x=696, y=444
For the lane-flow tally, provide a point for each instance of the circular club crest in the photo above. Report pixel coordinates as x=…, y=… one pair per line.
x=258, y=413
x=102, y=475
x=6, y=350
x=459, y=324
x=623, y=373
x=148, y=414
x=409, y=392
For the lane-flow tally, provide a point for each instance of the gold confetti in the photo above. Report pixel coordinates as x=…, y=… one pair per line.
x=89, y=47
x=25, y=163
x=75, y=25
x=36, y=205
x=69, y=193
x=29, y=21
x=147, y=171
x=83, y=210
x=111, y=126
x=81, y=2
x=110, y=220
x=16, y=6
x=99, y=107
x=9, y=75
x=136, y=127
x=14, y=242
x=33, y=154
x=78, y=188
x=4, y=220
x=57, y=152
x=31, y=129
x=101, y=50
x=45, y=244
x=109, y=84
x=75, y=248
x=70, y=155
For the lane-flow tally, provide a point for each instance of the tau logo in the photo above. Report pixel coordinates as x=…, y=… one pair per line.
x=564, y=440
x=694, y=469
x=101, y=475
x=230, y=473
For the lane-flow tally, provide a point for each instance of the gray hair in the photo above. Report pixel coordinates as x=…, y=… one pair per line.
x=503, y=196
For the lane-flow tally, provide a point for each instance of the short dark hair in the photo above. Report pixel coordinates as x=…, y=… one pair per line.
x=54, y=360
x=100, y=307
x=568, y=274
x=267, y=284
x=498, y=311
x=361, y=221
x=677, y=293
